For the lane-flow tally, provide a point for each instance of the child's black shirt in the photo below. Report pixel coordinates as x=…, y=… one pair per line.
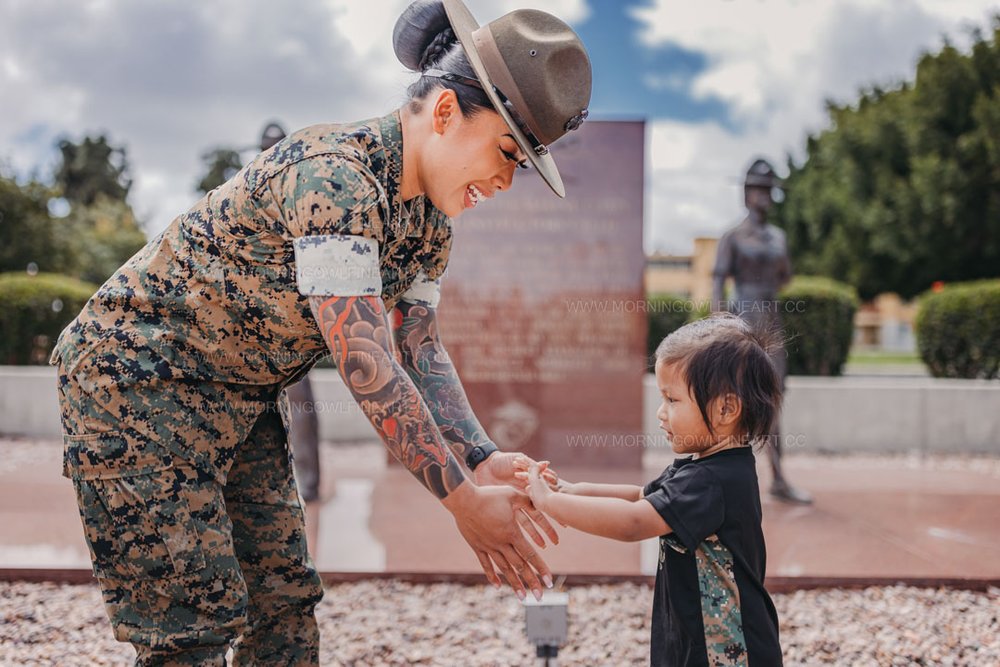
x=711, y=607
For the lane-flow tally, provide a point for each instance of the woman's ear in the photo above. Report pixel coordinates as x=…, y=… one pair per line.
x=446, y=110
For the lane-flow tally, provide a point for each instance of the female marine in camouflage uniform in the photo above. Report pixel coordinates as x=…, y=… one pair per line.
x=170, y=376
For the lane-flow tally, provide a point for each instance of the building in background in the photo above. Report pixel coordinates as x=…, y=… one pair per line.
x=687, y=276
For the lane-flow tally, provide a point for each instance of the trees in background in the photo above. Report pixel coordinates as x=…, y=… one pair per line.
x=91, y=169
x=27, y=231
x=904, y=188
x=95, y=232
x=221, y=164
x=58, y=242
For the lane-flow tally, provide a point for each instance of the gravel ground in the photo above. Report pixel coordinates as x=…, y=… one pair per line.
x=393, y=623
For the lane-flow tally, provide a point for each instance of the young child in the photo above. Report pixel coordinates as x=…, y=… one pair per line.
x=720, y=393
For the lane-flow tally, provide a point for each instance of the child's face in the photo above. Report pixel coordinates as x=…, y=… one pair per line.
x=679, y=415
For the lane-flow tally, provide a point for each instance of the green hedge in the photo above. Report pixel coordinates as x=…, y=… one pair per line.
x=818, y=321
x=665, y=314
x=33, y=310
x=958, y=330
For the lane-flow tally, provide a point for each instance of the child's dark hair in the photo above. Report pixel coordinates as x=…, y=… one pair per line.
x=721, y=355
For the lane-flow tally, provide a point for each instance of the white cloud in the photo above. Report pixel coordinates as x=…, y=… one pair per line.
x=170, y=80
x=775, y=63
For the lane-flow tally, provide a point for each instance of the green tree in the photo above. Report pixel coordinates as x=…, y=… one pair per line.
x=221, y=164
x=99, y=238
x=27, y=235
x=91, y=168
x=903, y=189
x=100, y=232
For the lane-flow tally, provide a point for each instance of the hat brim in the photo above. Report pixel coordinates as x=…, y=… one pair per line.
x=464, y=24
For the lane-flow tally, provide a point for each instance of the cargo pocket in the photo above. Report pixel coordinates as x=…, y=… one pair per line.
x=134, y=506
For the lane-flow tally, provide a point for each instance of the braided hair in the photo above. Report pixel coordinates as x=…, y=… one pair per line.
x=423, y=39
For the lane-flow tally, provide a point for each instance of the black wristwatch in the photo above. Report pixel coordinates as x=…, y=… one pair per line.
x=478, y=454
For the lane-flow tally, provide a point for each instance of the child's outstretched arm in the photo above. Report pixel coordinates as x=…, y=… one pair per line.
x=629, y=492
x=556, y=483
x=613, y=517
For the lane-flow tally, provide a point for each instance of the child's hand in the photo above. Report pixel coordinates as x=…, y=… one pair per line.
x=537, y=487
x=523, y=463
x=501, y=469
x=538, y=484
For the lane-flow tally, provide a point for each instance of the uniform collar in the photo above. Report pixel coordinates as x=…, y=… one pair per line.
x=413, y=218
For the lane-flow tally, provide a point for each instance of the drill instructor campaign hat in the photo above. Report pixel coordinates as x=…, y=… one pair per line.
x=535, y=71
x=761, y=175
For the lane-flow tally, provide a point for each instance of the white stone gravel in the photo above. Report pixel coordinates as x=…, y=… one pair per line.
x=395, y=623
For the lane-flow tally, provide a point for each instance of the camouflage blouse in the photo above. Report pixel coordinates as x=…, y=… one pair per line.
x=214, y=296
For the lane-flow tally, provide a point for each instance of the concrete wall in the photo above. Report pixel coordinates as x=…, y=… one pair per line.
x=881, y=414
x=29, y=405
x=867, y=414
x=892, y=414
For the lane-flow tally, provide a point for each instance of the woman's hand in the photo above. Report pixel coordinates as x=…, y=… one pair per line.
x=488, y=518
x=501, y=468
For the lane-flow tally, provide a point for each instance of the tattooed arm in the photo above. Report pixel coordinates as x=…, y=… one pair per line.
x=357, y=331
x=428, y=365
x=426, y=360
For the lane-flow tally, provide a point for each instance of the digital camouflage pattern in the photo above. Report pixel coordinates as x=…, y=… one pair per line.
x=721, y=615
x=214, y=295
x=187, y=562
x=170, y=377
x=720, y=605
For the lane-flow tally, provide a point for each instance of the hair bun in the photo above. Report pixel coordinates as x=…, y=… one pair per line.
x=419, y=36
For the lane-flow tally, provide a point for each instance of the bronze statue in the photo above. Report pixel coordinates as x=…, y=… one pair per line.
x=755, y=254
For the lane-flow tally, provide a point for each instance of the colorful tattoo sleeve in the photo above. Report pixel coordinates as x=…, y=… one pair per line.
x=425, y=359
x=357, y=331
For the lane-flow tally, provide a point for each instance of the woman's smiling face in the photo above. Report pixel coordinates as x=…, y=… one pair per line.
x=466, y=159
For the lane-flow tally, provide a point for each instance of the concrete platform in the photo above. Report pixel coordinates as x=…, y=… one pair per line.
x=875, y=517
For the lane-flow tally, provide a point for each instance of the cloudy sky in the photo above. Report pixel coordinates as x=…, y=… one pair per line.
x=718, y=81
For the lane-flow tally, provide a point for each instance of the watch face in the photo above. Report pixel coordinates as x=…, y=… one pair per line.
x=477, y=455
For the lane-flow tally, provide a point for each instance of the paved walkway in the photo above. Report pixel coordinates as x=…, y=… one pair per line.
x=874, y=517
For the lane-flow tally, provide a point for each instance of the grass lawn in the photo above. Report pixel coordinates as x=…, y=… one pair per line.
x=869, y=357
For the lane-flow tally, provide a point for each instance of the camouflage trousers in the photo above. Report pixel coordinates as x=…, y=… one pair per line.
x=197, y=552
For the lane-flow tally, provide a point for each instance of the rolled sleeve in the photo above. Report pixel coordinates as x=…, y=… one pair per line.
x=424, y=291
x=691, y=503
x=337, y=265
x=329, y=194
x=332, y=208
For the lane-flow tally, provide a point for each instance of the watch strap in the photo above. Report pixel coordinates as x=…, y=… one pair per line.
x=478, y=454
